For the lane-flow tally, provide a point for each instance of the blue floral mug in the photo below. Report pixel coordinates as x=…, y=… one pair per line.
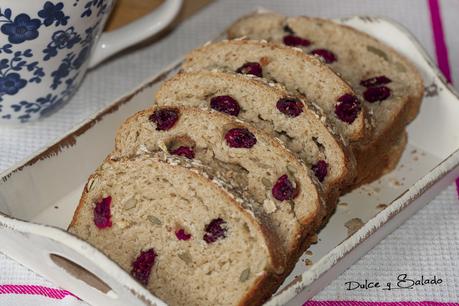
x=46, y=46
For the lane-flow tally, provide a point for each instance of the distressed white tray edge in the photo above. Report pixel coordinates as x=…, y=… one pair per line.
x=353, y=248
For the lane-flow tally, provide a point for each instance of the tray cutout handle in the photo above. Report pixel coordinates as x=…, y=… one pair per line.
x=82, y=274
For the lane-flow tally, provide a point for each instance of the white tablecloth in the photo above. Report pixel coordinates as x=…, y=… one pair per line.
x=427, y=244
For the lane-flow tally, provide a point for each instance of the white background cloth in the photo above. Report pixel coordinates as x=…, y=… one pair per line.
x=427, y=244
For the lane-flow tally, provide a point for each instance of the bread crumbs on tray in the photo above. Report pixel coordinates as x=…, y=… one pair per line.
x=314, y=239
x=394, y=182
x=308, y=262
x=296, y=279
x=353, y=225
x=381, y=206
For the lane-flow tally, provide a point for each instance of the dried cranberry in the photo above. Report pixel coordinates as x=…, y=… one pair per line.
x=283, y=189
x=320, y=170
x=376, y=81
x=374, y=94
x=347, y=108
x=141, y=267
x=225, y=104
x=296, y=41
x=184, y=151
x=214, y=230
x=182, y=235
x=164, y=118
x=240, y=138
x=102, y=215
x=251, y=68
x=290, y=106
x=327, y=55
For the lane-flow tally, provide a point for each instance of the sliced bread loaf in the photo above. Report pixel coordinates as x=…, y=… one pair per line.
x=299, y=73
x=268, y=106
x=388, y=83
x=261, y=167
x=180, y=233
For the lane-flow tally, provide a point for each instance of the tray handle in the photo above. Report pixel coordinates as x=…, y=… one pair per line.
x=73, y=264
x=81, y=273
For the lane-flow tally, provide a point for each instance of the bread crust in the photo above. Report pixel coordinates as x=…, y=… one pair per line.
x=388, y=152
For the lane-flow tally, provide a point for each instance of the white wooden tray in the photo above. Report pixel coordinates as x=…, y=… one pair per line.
x=38, y=197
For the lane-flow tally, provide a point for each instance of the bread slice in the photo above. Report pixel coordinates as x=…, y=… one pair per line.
x=388, y=83
x=184, y=236
x=304, y=130
x=261, y=167
x=299, y=73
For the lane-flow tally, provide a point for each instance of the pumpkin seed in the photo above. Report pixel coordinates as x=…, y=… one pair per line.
x=244, y=275
x=91, y=184
x=266, y=182
x=130, y=203
x=186, y=257
x=292, y=204
x=400, y=67
x=154, y=220
x=269, y=206
x=291, y=175
x=264, y=166
x=163, y=146
x=291, y=170
x=378, y=52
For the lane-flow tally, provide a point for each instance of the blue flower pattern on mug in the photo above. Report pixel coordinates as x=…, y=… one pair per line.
x=10, y=79
x=23, y=27
x=20, y=29
x=62, y=39
x=6, y=49
x=18, y=71
x=11, y=83
x=99, y=5
x=44, y=105
x=72, y=61
x=52, y=13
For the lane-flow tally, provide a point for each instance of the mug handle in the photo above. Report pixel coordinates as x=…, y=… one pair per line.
x=115, y=41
